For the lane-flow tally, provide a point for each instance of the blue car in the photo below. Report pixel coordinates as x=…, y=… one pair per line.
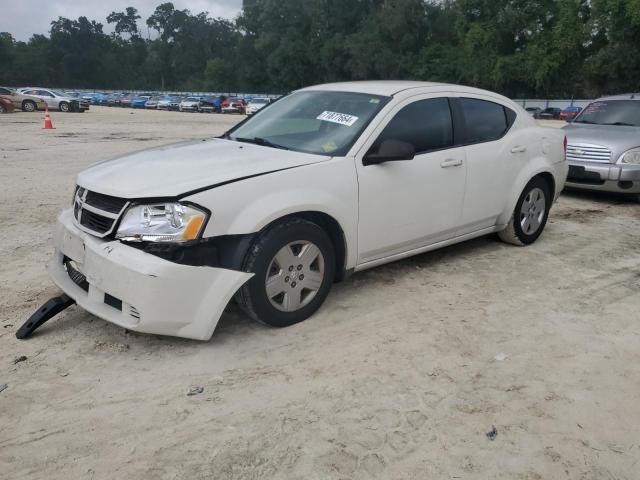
x=140, y=102
x=96, y=98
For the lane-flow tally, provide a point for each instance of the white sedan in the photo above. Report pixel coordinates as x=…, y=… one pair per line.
x=190, y=104
x=328, y=181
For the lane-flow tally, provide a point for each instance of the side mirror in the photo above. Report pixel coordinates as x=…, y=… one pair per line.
x=390, y=151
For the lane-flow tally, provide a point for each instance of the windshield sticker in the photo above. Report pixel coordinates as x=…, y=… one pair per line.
x=374, y=100
x=330, y=147
x=340, y=118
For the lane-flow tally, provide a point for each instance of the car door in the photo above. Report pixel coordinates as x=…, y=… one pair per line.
x=494, y=156
x=405, y=205
x=48, y=97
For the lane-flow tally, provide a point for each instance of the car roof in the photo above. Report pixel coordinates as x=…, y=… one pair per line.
x=375, y=87
x=625, y=96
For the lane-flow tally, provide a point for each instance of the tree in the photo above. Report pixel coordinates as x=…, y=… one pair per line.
x=126, y=22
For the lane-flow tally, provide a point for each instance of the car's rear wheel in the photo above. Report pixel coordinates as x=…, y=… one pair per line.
x=293, y=263
x=530, y=215
x=29, y=106
x=64, y=106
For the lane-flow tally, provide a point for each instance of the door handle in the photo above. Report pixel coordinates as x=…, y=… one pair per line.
x=451, y=162
x=518, y=149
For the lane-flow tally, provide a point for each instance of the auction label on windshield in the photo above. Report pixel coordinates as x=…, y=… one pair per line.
x=341, y=118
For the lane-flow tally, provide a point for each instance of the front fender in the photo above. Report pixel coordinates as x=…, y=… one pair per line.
x=247, y=206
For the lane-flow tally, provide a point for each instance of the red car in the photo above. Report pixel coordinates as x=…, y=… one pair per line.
x=234, y=105
x=570, y=113
x=6, y=105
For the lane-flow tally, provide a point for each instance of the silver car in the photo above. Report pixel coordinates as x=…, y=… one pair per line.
x=56, y=100
x=603, y=148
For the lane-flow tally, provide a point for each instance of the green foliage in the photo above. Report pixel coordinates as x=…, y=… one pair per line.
x=517, y=47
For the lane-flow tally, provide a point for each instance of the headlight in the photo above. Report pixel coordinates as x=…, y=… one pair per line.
x=161, y=222
x=632, y=157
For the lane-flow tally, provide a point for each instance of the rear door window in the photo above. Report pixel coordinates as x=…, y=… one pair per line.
x=485, y=121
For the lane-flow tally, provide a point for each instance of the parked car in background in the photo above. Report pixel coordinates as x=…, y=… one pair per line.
x=170, y=102
x=56, y=100
x=26, y=103
x=233, y=105
x=550, y=113
x=6, y=105
x=604, y=146
x=164, y=103
x=152, y=103
x=190, y=104
x=570, y=113
x=257, y=104
x=534, y=111
x=95, y=98
x=140, y=101
x=125, y=100
x=274, y=214
x=211, y=104
x=113, y=99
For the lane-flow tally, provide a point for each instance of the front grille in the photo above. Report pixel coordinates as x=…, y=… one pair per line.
x=96, y=213
x=105, y=202
x=96, y=222
x=588, y=153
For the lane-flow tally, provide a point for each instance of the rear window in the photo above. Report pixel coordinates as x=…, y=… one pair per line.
x=486, y=121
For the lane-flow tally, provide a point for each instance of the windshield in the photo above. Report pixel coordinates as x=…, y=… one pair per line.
x=324, y=123
x=191, y=99
x=611, y=112
x=59, y=94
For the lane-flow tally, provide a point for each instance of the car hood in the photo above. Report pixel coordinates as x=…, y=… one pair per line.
x=618, y=139
x=174, y=170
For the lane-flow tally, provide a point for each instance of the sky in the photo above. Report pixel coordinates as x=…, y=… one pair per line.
x=23, y=18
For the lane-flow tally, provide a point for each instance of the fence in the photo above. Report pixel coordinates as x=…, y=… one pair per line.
x=526, y=103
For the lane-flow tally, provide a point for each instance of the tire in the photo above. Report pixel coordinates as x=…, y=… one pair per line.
x=29, y=106
x=2, y=109
x=530, y=215
x=297, y=259
x=64, y=107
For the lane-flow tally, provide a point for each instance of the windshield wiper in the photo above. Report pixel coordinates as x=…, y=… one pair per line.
x=621, y=124
x=262, y=142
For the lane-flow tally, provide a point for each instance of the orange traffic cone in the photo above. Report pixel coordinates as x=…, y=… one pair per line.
x=48, y=124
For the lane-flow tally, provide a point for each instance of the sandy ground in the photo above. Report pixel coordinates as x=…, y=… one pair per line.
x=399, y=376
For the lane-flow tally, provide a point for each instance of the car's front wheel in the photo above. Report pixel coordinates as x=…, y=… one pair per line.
x=530, y=215
x=64, y=107
x=293, y=263
x=29, y=106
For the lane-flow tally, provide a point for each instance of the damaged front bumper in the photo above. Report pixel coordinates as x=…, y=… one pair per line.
x=604, y=177
x=137, y=290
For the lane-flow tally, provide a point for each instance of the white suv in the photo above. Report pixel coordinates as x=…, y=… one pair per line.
x=329, y=180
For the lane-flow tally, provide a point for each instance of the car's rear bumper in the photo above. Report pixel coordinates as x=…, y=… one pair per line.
x=137, y=290
x=604, y=177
